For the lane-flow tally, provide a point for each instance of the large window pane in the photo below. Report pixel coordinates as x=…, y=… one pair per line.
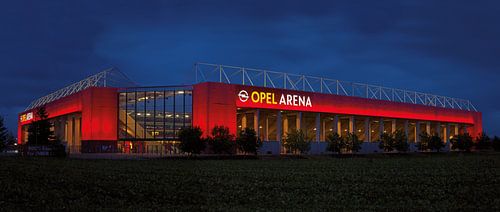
x=153, y=115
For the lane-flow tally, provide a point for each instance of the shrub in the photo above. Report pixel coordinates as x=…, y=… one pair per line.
x=483, y=142
x=462, y=142
x=221, y=141
x=248, y=141
x=335, y=143
x=353, y=144
x=496, y=144
x=296, y=140
x=191, y=141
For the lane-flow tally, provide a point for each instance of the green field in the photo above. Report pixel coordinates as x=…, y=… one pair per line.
x=435, y=182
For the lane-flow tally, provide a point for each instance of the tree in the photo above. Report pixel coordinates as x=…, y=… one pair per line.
x=423, y=144
x=335, y=143
x=400, y=141
x=40, y=131
x=221, y=141
x=191, y=141
x=462, y=142
x=297, y=141
x=386, y=142
x=248, y=141
x=394, y=141
x=482, y=142
x=3, y=135
x=496, y=143
x=353, y=144
x=435, y=143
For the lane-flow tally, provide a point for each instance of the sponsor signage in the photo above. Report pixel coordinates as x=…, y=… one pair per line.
x=274, y=98
x=26, y=117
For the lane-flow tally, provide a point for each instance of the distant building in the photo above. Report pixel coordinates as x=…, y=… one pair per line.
x=108, y=113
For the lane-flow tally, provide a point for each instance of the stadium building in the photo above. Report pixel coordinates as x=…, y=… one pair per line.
x=107, y=112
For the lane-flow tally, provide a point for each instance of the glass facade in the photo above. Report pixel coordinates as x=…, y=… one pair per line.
x=273, y=125
x=153, y=114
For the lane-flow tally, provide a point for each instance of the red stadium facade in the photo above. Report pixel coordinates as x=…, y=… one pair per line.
x=146, y=119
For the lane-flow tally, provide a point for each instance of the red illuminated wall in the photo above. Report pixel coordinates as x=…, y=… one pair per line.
x=98, y=107
x=216, y=103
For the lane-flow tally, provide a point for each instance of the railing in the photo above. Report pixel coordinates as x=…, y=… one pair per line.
x=206, y=72
x=111, y=77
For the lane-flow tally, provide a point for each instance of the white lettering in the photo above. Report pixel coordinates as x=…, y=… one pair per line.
x=302, y=100
x=308, y=102
x=282, y=100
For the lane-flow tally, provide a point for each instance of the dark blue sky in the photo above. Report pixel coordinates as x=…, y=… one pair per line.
x=449, y=48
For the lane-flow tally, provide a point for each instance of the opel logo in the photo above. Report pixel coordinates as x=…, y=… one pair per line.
x=243, y=95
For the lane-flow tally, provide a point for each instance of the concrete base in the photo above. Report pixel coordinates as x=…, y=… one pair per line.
x=319, y=148
x=269, y=148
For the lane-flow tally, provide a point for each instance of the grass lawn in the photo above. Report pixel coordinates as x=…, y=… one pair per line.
x=429, y=182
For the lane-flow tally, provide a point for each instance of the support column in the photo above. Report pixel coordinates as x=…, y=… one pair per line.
x=428, y=127
x=381, y=126
x=417, y=132
x=447, y=132
x=324, y=130
x=438, y=130
x=243, y=121
x=406, y=129
x=256, y=120
x=279, y=128
x=266, y=135
x=351, y=124
x=393, y=127
x=336, y=125
x=367, y=129
x=318, y=126
x=285, y=125
x=298, y=122
x=456, y=129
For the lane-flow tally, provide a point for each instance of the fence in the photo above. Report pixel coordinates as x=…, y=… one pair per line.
x=206, y=72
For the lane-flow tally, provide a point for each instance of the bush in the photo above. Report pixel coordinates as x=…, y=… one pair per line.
x=335, y=143
x=248, y=141
x=482, y=142
x=191, y=141
x=353, y=144
x=462, y=142
x=496, y=144
x=296, y=140
x=221, y=141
